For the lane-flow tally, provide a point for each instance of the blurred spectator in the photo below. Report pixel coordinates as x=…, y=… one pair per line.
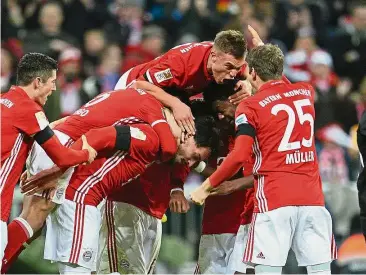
x=259, y=24
x=49, y=39
x=361, y=98
x=69, y=80
x=125, y=26
x=349, y=46
x=240, y=20
x=152, y=45
x=294, y=16
x=94, y=43
x=7, y=70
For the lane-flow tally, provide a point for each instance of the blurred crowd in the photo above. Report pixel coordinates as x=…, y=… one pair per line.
x=96, y=41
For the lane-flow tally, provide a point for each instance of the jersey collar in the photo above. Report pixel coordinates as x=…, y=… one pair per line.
x=19, y=90
x=270, y=84
x=205, y=60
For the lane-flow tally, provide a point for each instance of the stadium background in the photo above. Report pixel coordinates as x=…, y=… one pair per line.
x=95, y=41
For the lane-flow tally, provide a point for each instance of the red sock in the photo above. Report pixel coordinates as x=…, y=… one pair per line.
x=19, y=231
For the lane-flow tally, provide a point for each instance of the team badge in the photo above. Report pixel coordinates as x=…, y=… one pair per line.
x=241, y=120
x=87, y=255
x=41, y=119
x=163, y=75
x=137, y=133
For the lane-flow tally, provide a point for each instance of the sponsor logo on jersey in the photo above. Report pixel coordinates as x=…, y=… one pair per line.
x=163, y=75
x=137, y=133
x=42, y=120
x=242, y=119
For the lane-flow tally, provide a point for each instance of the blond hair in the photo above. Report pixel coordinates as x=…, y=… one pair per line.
x=231, y=42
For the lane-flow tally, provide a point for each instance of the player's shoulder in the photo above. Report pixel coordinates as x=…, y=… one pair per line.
x=190, y=49
x=145, y=133
x=17, y=100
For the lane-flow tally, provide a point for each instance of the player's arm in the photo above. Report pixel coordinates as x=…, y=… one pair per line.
x=169, y=73
x=178, y=202
x=231, y=186
x=153, y=114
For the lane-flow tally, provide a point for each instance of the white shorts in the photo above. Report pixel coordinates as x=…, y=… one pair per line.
x=214, y=254
x=129, y=241
x=122, y=81
x=38, y=160
x=3, y=240
x=237, y=257
x=305, y=229
x=72, y=234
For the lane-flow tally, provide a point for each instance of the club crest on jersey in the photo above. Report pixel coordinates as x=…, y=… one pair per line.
x=41, y=119
x=137, y=133
x=242, y=119
x=163, y=75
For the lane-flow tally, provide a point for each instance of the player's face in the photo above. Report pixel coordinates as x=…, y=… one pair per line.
x=225, y=66
x=44, y=89
x=189, y=153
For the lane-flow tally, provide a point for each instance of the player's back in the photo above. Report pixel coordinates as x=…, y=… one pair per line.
x=110, y=108
x=286, y=167
x=183, y=67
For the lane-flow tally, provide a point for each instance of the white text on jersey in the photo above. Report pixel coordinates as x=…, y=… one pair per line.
x=6, y=102
x=299, y=157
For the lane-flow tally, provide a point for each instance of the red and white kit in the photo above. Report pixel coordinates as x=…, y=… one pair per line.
x=73, y=229
x=288, y=189
x=183, y=67
x=220, y=223
x=131, y=228
x=110, y=108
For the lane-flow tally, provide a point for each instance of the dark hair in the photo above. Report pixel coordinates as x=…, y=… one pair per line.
x=218, y=92
x=231, y=42
x=33, y=65
x=207, y=135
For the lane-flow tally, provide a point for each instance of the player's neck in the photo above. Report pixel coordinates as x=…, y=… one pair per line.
x=29, y=91
x=177, y=132
x=209, y=64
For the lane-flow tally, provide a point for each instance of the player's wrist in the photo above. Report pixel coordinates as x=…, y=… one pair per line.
x=200, y=167
x=207, y=187
x=178, y=189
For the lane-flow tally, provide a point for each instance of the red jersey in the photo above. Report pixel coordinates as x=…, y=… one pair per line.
x=92, y=183
x=21, y=118
x=183, y=67
x=286, y=168
x=110, y=108
x=222, y=213
x=151, y=191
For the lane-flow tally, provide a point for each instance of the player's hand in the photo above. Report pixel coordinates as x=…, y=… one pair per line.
x=41, y=181
x=200, y=194
x=256, y=40
x=243, y=90
x=86, y=146
x=57, y=122
x=178, y=202
x=223, y=189
x=183, y=115
x=23, y=178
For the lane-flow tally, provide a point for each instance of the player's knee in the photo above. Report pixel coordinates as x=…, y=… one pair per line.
x=67, y=268
x=260, y=269
x=323, y=268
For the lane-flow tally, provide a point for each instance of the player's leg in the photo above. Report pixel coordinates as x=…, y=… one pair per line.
x=313, y=242
x=124, y=253
x=270, y=238
x=236, y=263
x=72, y=237
x=211, y=257
x=152, y=243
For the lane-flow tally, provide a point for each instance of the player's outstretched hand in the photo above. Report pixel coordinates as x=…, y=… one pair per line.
x=243, y=90
x=178, y=202
x=92, y=152
x=256, y=40
x=184, y=117
x=200, y=194
x=43, y=180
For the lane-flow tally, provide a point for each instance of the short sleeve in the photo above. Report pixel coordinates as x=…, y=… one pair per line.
x=245, y=115
x=31, y=120
x=167, y=73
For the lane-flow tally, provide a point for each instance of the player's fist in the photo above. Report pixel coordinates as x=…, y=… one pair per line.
x=243, y=90
x=86, y=146
x=184, y=117
x=200, y=194
x=256, y=40
x=178, y=202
